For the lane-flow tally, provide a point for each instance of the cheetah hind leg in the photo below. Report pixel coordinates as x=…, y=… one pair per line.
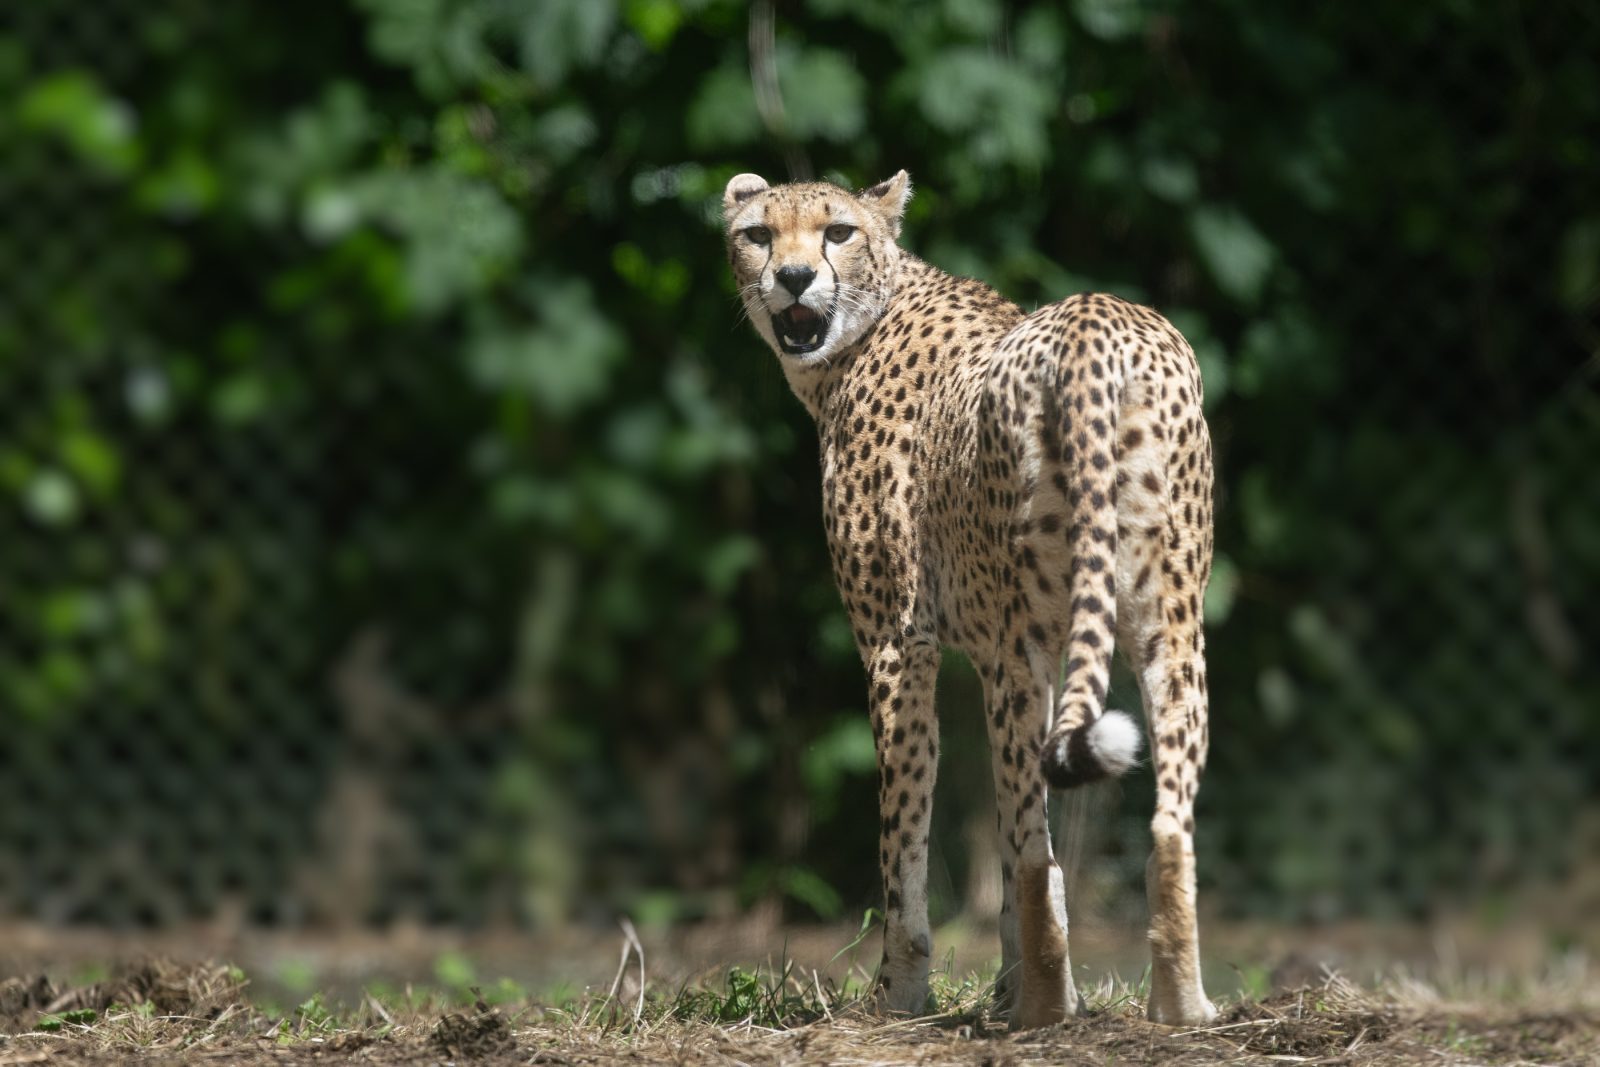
x=1172, y=682
x=1002, y=733
x=1035, y=986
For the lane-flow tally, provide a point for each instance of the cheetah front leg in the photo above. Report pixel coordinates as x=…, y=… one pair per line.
x=902, y=679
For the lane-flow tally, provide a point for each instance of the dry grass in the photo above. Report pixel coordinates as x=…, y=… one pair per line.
x=170, y=1013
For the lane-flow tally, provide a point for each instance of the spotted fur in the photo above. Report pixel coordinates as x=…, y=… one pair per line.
x=1031, y=490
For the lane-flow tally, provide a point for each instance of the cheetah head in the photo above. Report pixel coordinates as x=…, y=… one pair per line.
x=815, y=264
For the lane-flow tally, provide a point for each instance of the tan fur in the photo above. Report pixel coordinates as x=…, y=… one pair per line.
x=1030, y=490
x=1048, y=995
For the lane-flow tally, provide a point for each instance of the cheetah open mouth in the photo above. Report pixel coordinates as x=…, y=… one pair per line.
x=800, y=329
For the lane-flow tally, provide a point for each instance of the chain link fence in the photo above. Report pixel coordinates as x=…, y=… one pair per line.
x=274, y=646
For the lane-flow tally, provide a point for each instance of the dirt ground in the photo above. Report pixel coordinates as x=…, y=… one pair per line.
x=131, y=1008
x=170, y=1013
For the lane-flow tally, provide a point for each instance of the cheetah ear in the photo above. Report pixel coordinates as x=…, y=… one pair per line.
x=741, y=187
x=890, y=197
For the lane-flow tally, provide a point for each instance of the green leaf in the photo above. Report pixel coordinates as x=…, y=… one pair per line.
x=316, y=149
x=1283, y=352
x=635, y=435
x=655, y=21
x=823, y=94
x=1579, y=268
x=67, y=613
x=458, y=233
x=1041, y=39
x=726, y=561
x=563, y=132
x=183, y=186
x=99, y=127
x=1265, y=521
x=560, y=35
x=809, y=888
x=664, y=284
x=241, y=398
x=1235, y=253
x=93, y=460
x=402, y=30
x=975, y=18
x=442, y=42
x=13, y=62
x=846, y=749
x=562, y=361
x=1000, y=110
x=65, y=673
x=454, y=970
x=1107, y=163
x=51, y=498
x=1112, y=20
x=459, y=147
x=297, y=975
x=1276, y=693
x=1170, y=177
x=723, y=112
x=630, y=506
x=1221, y=591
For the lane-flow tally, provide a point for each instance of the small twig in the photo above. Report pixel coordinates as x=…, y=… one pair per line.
x=769, y=97
x=1352, y=1046
x=622, y=967
x=630, y=945
x=816, y=980
x=379, y=1010
x=633, y=937
x=1229, y=1026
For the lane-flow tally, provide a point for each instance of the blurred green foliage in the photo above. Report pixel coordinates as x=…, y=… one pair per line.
x=375, y=404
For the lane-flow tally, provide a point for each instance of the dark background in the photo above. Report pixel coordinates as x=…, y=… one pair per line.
x=396, y=522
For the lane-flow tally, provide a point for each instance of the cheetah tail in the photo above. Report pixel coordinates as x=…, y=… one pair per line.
x=1103, y=748
x=1086, y=742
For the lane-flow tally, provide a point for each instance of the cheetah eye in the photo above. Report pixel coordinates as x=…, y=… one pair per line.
x=758, y=235
x=838, y=233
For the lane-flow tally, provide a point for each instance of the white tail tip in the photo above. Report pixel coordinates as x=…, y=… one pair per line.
x=1113, y=740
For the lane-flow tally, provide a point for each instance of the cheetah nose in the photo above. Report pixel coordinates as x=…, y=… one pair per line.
x=795, y=279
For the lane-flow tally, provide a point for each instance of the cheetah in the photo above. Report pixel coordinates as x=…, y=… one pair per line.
x=1030, y=490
